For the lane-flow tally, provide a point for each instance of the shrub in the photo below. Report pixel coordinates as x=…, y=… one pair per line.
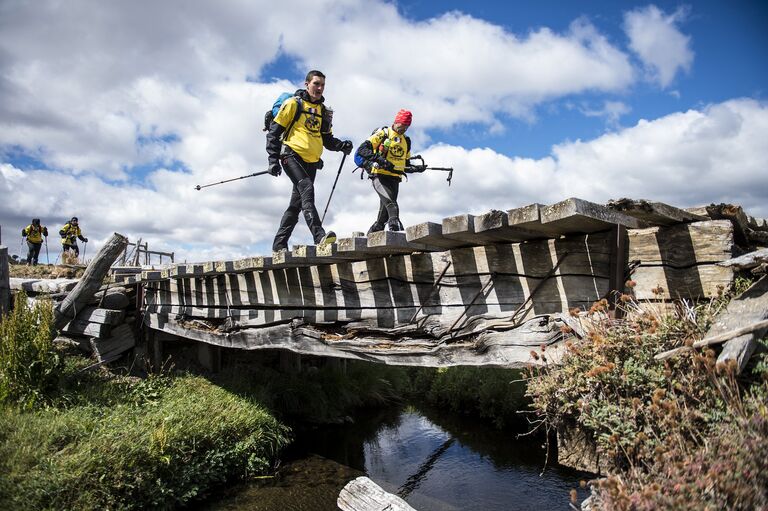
x=29, y=364
x=679, y=434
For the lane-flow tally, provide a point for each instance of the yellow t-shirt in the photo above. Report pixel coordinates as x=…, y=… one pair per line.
x=305, y=137
x=397, y=153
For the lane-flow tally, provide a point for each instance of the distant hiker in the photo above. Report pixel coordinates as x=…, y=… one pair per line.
x=34, y=233
x=69, y=235
x=385, y=157
x=303, y=127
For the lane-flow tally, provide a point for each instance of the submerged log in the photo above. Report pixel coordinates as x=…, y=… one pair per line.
x=90, y=281
x=362, y=494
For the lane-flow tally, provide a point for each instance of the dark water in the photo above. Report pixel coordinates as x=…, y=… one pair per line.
x=434, y=461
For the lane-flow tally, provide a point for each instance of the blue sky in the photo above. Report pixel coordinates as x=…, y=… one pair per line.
x=114, y=111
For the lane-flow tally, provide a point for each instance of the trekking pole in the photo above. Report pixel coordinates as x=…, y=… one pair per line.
x=47, y=258
x=85, y=249
x=422, y=167
x=334, y=187
x=200, y=187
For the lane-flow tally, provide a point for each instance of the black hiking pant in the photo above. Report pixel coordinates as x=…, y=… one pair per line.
x=302, y=175
x=33, y=251
x=71, y=247
x=387, y=188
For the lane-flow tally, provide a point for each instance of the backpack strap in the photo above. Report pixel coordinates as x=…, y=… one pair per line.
x=299, y=110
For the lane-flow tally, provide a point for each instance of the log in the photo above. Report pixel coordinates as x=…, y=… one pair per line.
x=749, y=307
x=655, y=213
x=91, y=280
x=747, y=261
x=80, y=327
x=362, y=494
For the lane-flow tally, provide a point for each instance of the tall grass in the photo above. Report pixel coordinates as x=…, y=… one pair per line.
x=29, y=364
x=157, y=444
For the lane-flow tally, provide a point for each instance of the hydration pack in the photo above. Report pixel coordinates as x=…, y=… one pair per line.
x=270, y=115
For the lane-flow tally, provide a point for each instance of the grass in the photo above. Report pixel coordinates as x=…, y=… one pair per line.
x=684, y=433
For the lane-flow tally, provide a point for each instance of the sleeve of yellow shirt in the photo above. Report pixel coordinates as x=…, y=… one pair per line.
x=286, y=113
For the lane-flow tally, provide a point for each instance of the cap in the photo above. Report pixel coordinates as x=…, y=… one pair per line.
x=403, y=117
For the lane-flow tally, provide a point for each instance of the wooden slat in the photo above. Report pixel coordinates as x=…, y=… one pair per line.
x=496, y=224
x=462, y=228
x=431, y=234
x=391, y=243
x=696, y=282
x=655, y=213
x=682, y=245
x=573, y=216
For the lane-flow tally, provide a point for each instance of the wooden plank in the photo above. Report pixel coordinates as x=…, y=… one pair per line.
x=430, y=234
x=391, y=243
x=330, y=251
x=510, y=348
x=654, y=213
x=573, y=216
x=152, y=275
x=529, y=217
x=462, y=228
x=354, y=246
x=87, y=328
x=726, y=212
x=42, y=285
x=496, y=224
x=362, y=494
x=105, y=316
x=120, y=340
x=301, y=255
x=749, y=307
x=695, y=282
x=683, y=244
x=747, y=261
x=253, y=263
x=90, y=281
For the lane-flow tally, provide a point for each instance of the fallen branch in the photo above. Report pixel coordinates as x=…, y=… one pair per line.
x=717, y=339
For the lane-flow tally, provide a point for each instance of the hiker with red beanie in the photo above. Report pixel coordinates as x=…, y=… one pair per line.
x=385, y=157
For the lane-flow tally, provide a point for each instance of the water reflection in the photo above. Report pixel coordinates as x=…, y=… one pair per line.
x=435, y=461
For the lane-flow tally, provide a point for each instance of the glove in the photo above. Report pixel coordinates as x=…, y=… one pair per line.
x=383, y=163
x=85, y=240
x=274, y=169
x=411, y=169
x=45, y=232
x=346, y=147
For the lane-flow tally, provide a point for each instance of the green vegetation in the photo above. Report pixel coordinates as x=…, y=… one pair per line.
x=678, y=434
x=320, y=395
x=494, y=394
x=29, y=365
x=74, y=439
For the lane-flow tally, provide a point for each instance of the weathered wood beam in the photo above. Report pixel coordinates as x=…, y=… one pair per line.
x=573, y=216
x=42, y=285
x=362, y=494
x=749, y=307
x=431, y=234
x=654, y=213
x=105, y=316
x=90, y=282
x=747, y=261
x=87, y=328
x=393, y=243
x=496, y=225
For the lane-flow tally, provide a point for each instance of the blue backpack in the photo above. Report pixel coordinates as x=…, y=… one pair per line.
x=270, y=115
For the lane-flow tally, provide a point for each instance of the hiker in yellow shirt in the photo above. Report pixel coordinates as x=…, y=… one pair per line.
x=303, y=128
x=34, y=233
x=70, y=233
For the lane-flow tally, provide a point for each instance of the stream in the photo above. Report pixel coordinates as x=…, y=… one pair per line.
x=436, y=461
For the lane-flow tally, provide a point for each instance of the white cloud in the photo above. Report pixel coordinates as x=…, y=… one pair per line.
x=654, y=36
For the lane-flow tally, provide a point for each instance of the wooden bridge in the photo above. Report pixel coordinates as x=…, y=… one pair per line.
x=471, y=290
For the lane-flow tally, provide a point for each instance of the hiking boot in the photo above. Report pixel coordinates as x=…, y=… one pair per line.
x=395, y=225
x=278, y=248
x=376, y=228
x=330, y=237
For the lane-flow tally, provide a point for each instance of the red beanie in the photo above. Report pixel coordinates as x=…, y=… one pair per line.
x=403, y=117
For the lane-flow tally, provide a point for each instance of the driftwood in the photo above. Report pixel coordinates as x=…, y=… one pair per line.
x=747, y=261
x=90, y=281
x=5, y=287
x=362, y=494
x=744, y=321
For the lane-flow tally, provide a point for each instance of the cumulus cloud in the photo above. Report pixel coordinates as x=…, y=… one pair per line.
x=656, y=39
x=129, y=105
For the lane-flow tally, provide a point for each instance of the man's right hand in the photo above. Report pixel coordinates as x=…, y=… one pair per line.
x=383, y=163
x=275, y=169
